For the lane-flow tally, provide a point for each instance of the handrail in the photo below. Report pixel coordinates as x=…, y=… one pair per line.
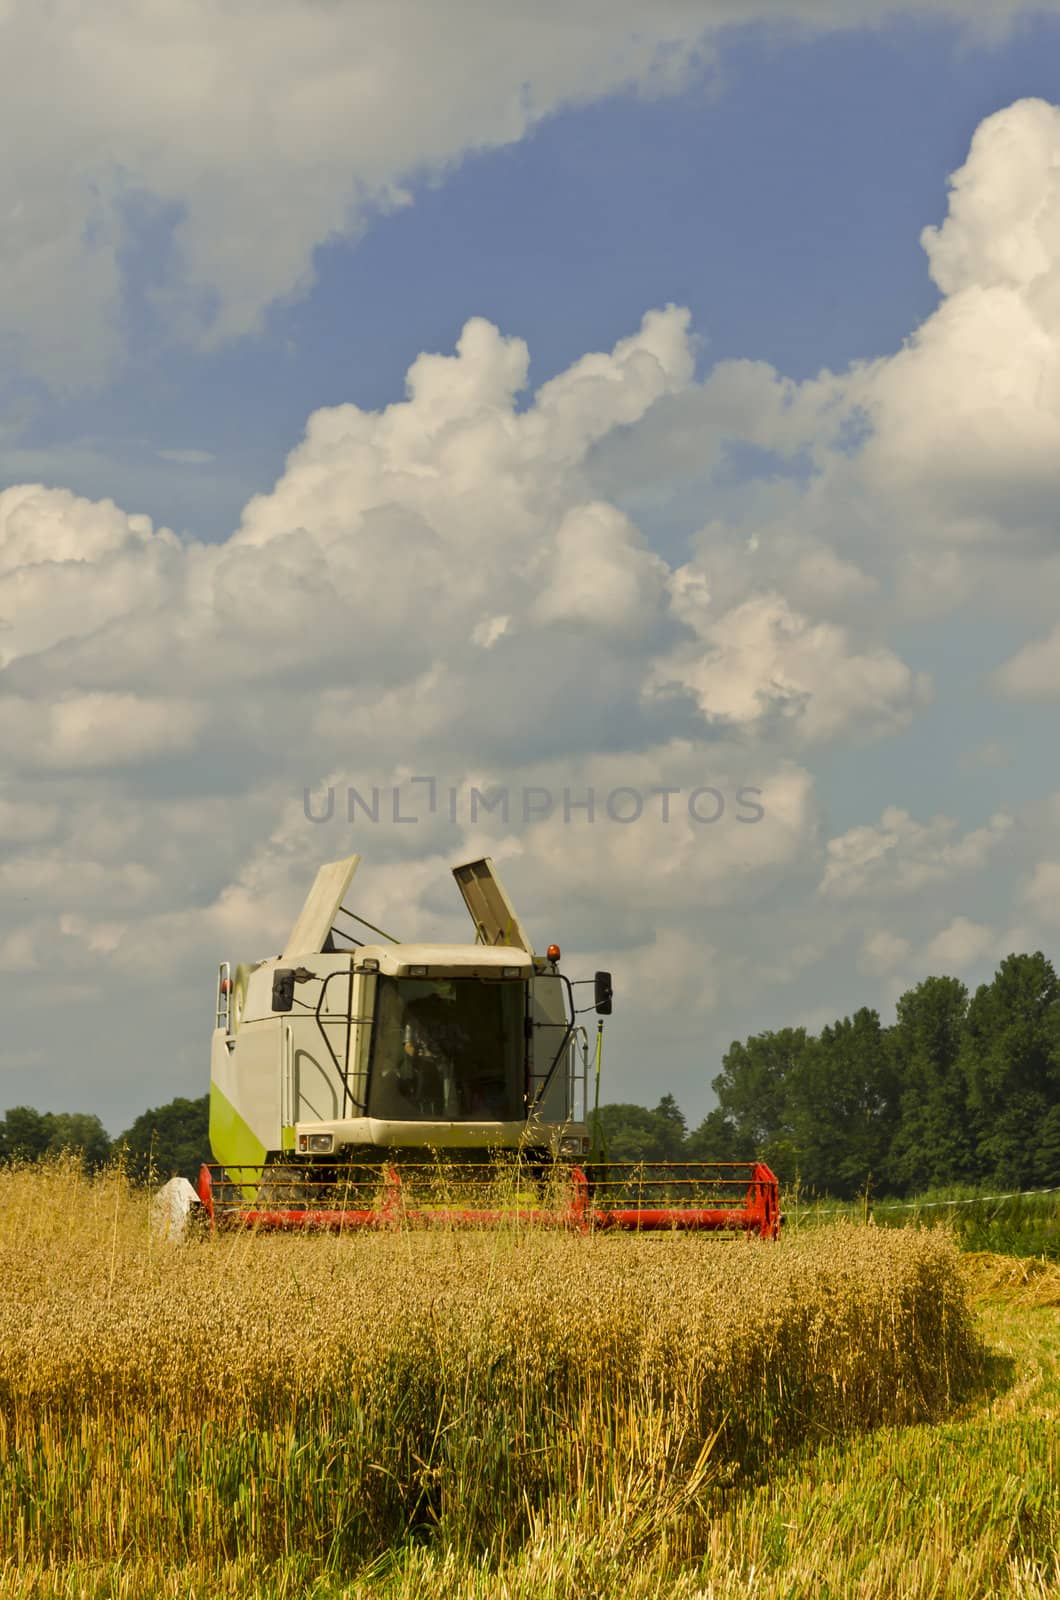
x=224, y=996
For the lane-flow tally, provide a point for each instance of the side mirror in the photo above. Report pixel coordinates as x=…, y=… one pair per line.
x=283, y=989
x=603, y=993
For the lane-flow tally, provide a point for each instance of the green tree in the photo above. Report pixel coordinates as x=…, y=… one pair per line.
x=24, y=1134
x=672, y=1117
x=933, y=1143
x=27, y=1135
x=715, y=1139
x=754, y=1115
x=170, y=1141
x=1011, y=1061
x=844, y=1107
x=1047, y=1160
x=633, y=1133
x=81, y=1132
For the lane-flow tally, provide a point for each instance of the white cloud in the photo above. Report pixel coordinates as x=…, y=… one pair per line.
x=53, y=878
x=1004, y=215
x=1042, y=894
x=485, y=503
x=489, y=630
x=216, y=124
x=958, y=946
x=39, y=525
x=601, y=574
x=211, y=125
x=673, y=976
x=98, y=730
x=762, y=660
x=967, y=417
x=900, y=856
x=882, y=953
x=1033, y=673
x=188, y=458
x=926, y=481
x=69, y=566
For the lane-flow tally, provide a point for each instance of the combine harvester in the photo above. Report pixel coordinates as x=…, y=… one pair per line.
x=379, y=1084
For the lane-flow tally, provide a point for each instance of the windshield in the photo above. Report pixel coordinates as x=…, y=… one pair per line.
x=449, y=1050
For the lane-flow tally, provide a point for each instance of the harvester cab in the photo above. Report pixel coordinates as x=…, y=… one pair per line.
x=339, y=1049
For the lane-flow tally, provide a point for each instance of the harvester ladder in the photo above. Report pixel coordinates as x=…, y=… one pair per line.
x=578, y=1075
x=224, y=996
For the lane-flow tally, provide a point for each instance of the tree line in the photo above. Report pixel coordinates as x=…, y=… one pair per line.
x=958, y=1090
x=163, y=1143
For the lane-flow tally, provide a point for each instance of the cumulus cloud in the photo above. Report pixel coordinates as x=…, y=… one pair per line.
x=920, y=483
x=674, y=977
x=1033, y=673
x=430, y=581
x=762, y=661
x=81, y=731
x=308, y=605
x=966, y=418
x=201, y=128
x=1042, y=894
x=883, y=953
x=39, y=525
x=601, y=574
x=900, y=856
x=68, y=566
x=958, y=946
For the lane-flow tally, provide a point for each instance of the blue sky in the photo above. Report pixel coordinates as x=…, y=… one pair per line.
x=781, y=199
x=779, y=196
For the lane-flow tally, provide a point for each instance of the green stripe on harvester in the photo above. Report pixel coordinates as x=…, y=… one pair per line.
x=233, y=1142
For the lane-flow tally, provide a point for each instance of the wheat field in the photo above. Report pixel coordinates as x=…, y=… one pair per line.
x=422, y=1413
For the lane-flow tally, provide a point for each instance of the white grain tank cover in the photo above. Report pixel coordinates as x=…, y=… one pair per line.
x=317, y=916
x=491, y=911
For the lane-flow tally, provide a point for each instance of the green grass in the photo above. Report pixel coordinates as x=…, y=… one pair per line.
x=1020, y=1225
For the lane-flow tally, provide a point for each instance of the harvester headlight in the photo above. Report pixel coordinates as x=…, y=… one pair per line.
x=322, y=1143
x=510, y=972
x=369, y=964
x=416, y=972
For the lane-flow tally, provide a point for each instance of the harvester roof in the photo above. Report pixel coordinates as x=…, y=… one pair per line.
x=462, y=960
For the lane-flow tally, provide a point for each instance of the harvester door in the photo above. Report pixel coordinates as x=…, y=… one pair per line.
x=324, y=1034
x=551, y=1042
x=491, y=911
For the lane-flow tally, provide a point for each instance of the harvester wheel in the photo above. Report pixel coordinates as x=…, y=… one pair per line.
x=284, y=1187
